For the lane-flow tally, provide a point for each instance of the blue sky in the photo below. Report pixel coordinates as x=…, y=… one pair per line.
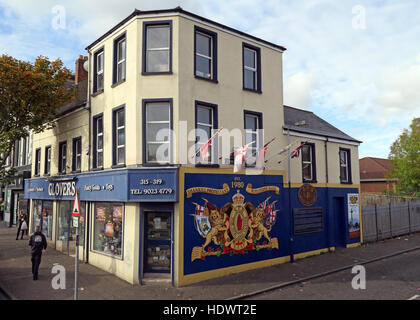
x=354, y=63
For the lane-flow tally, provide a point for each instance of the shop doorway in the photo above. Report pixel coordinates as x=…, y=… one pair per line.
x=340, y=222
x=157, y=242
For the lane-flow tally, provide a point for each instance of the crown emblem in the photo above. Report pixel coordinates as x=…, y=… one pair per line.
x=238, y=198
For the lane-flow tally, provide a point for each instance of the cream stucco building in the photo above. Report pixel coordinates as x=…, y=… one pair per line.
x=159, y=84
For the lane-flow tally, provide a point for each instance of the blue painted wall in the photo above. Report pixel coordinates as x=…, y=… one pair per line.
x=282, y=229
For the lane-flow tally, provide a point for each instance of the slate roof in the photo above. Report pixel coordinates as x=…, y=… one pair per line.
x=79, y=100
x=313, y=124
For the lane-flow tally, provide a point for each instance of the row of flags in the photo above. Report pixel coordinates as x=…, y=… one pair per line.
x=240, y=154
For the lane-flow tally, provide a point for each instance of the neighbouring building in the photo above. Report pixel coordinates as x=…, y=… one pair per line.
x=20, y=159
x=374, y=175
x=160, y=83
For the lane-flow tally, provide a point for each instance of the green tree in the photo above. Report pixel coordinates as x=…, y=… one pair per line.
x=29, y=96
x=405, y=158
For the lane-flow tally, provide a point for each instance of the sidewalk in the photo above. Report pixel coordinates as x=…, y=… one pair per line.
x=95, y=284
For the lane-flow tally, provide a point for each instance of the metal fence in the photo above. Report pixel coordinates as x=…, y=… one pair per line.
x=383, y=221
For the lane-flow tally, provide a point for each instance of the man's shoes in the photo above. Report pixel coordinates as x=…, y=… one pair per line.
x=35, y=277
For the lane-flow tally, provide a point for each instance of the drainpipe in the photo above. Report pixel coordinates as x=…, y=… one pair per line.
x=327, y=196
x=290, y=200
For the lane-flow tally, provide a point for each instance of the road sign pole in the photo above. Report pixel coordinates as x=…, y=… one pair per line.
x=76, y=214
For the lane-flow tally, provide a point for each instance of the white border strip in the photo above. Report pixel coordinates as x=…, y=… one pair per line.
x=316, y=137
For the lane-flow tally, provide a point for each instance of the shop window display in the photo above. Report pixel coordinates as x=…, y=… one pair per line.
x=43, y=216
x=65, y=226
x=108, y=230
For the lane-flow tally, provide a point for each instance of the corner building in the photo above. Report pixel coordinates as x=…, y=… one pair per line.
x=150, y=208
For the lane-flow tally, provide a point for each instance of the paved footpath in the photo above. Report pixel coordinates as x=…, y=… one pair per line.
x=95, y=284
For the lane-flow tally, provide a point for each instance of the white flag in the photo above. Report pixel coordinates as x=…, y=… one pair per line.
x=240, y=158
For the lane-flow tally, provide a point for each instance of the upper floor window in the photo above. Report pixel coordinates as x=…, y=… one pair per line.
x=98, y=70
x=345, y=168
x=253, y=126
x=38, y=161
x=119, y=59
x=157, y=47
x=205, y=54
x=98, y=142
x=251, y=68
x=157, y=123
x=205, y=124
x=62, y=157
x=77, y=154
x=118, y=120
x=308, y=163
x=47, y=167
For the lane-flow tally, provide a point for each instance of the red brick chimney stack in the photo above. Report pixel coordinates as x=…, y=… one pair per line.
x=81, y=73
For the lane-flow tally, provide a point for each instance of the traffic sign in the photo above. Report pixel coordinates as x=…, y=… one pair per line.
x=76, y=210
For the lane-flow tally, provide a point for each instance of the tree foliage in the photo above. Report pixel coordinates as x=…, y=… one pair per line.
x=405, y=158
x=29, y=96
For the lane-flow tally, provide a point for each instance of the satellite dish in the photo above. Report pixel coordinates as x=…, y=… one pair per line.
x=86, y=65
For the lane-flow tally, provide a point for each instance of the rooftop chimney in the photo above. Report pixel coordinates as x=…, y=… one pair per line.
x=81, y=73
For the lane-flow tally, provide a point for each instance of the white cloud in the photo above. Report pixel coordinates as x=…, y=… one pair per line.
x=298, y=90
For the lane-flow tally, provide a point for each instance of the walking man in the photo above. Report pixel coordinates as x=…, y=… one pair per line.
x=38, y=242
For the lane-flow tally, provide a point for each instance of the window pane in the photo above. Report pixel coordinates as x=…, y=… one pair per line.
x=157, y=61
x=78, y=162
x=154, y=128
x=343, y=173
x=152, y=152
x=207, y=131
x=121, y=155
x=157, y=37
x=306, y=150
x=307, y=171
x=100, y=143
x=203, y=44
x=343, y=157
x=204, y=115
x=99, y=127
x=121, y=71
x=249, y=58
x=249, y=79
x=121, y=137
x=100, y=62
x=203, y=67
x=120, y=118
x=78, y=146
x=157, y=111
x=121, y=50
x=100, y=159
x=100, y=82
x=251, y=122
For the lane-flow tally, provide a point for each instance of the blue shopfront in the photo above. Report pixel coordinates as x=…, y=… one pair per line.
x=111, y=202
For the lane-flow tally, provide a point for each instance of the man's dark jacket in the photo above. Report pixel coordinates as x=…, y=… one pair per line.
x=38, y=242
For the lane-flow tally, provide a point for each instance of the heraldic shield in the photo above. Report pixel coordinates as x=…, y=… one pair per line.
x=236, y=228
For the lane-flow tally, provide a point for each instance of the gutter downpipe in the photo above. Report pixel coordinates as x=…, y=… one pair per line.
x=290, y=198
x=88, y=204
x=327, y=196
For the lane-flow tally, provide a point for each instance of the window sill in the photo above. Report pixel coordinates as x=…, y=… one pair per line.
x=309, y=181
x=204, y=165
x=206, y=79
x=144, y=73
x=94, y=94
x=47, y=175
x=97, y=169
x=346, y=182
x=118, y=166
x=76, y=171
x=117, y=83
x=252, y=90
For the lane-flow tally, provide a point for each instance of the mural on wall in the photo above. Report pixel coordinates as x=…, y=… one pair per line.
x=237, y=227
x=353, y=215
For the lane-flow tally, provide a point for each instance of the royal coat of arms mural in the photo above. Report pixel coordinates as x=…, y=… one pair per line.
x=237, y=226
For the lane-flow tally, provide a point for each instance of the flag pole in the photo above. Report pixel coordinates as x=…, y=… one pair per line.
x=208, y=141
